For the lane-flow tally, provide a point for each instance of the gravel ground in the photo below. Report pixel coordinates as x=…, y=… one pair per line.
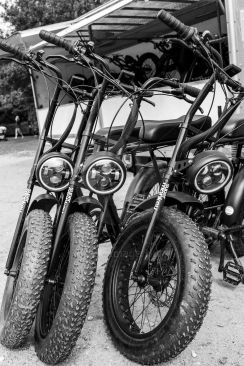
x=220, y=340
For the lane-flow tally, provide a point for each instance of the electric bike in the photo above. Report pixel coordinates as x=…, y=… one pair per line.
x=54, y=249
x=157, y=279
x=62, y=282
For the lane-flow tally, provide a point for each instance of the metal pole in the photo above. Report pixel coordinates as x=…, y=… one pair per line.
x=221, y=5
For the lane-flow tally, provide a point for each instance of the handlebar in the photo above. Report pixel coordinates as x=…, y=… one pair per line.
x=182, y=87
x=190, y=90
x=183, y=30
x=57, y=41
x=16, y=51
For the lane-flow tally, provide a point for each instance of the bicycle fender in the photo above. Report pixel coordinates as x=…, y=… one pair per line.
x=172, y=198
x=85, y=204
x=44, y=202
x=140, y=178
x=234, y=201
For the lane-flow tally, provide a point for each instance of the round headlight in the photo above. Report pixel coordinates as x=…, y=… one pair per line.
x=103, y=173
x=54, y=171
x=210, y=172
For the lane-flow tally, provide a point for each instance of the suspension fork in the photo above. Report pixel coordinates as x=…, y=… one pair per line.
x=31, y=179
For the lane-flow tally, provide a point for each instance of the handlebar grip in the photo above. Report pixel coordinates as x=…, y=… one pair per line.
x=183, y=30
x=57, y=41
x=16, y=51
x=234, y=85
x=191, y=90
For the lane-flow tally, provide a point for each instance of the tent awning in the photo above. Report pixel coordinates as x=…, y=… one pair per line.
x=118, y=24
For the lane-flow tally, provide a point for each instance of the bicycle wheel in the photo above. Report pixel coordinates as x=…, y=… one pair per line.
x=65, y=300
x=154, y=317
x=22, y=292
x=148, y=63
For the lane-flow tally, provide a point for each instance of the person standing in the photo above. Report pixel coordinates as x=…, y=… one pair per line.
x=17, y=127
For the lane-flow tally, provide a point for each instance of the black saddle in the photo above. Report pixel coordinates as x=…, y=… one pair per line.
x=234, y=128
x=157, y=131
x=168, y=130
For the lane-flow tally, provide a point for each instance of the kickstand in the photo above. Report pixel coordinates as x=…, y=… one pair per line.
x=222, y=252
x=233, y=252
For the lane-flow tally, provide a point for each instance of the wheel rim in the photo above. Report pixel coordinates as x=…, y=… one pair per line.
x=53, y=292
x=142, y=308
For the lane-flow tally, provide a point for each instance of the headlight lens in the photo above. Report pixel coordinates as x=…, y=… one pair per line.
x=212, y=177
x=210, y=172
x=54, y=171
x=103, y=173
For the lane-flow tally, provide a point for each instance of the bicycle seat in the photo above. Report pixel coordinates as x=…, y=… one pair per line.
x=168, y=130
x=115, y=132
x=156, y=131
x=234, y=127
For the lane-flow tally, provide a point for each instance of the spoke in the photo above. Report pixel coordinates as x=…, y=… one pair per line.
x=143, y=303
x=132, y=294
x=142, y=311
x=135, y=299
x=166, y=290
x=133, y=283
x=159, y=311
x=147, y=315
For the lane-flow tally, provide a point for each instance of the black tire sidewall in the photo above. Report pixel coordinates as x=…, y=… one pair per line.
x=163, y=338
x=35, y=251
x=71, y=312
x=8, y=294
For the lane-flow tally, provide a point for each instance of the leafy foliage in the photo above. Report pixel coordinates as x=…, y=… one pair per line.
x=15, y=93
x=15, y=88
x=24, y=14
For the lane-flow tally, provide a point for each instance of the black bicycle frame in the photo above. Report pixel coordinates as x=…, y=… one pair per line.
x=84, y=130
x=180, y=152
x=86, y=136
x=31, y=179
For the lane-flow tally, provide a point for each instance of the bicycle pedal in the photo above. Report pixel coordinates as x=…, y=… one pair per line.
x=233, y=273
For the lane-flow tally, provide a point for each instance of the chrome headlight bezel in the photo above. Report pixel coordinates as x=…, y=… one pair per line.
x=41, y=165
x=91, y=171
x=209, y=160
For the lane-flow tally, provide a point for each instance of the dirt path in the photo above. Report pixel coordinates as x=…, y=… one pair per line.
x=220, y=340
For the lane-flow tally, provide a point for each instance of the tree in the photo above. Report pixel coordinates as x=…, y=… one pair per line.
x=15, y=88
x=15, y=91
x=24, y=14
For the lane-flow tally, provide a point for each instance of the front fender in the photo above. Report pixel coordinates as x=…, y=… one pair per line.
x=86, y=204
x=140, y=178
x=44, y=202
x=172, y=198
x=234, y=206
